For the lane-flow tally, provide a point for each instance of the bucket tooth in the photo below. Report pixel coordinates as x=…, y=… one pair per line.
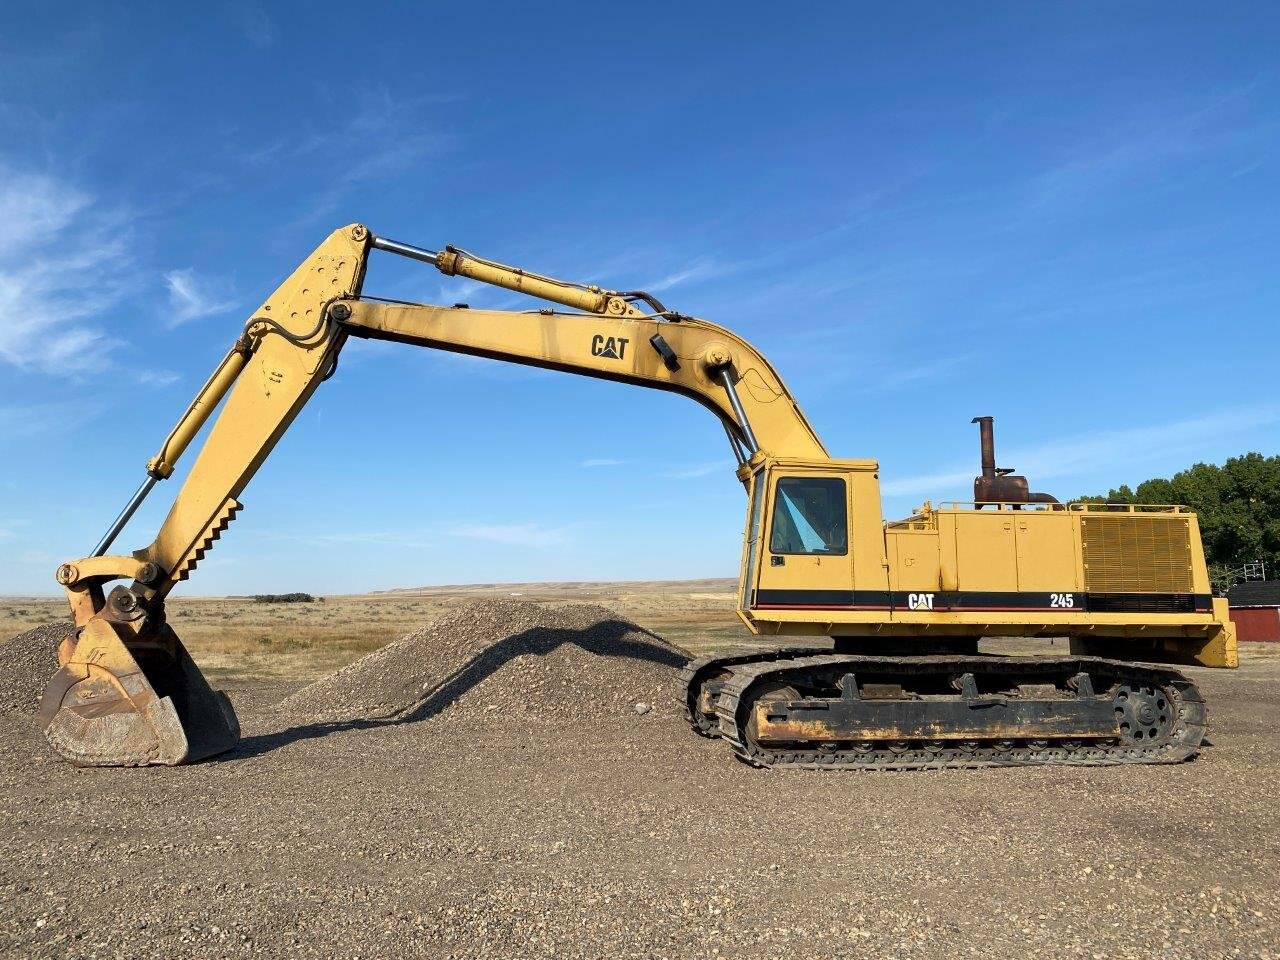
x=113, y=704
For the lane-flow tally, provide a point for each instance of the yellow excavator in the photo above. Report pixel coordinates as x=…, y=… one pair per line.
x=886, y=674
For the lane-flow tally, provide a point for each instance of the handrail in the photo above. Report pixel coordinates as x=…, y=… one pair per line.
x=1073, y=506
x=1129, y=507
x=924, y=519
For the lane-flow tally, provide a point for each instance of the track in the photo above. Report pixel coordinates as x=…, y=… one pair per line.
x=1158, y=715
x=697, y=672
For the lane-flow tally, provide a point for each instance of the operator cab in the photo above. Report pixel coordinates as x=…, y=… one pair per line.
x=812, y=525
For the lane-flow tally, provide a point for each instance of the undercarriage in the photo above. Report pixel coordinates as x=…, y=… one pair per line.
x=809, y=708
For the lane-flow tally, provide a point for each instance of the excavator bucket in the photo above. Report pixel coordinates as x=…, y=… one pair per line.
x=112, y=705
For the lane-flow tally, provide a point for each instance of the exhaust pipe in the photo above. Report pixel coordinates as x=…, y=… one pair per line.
x=1000, y=484
x=987, y=435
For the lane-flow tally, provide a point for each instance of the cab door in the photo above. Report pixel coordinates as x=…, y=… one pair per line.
x=804, y=553
x=751, y=541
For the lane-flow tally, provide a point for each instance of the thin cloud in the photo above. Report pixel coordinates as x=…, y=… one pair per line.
x=1136, y=149
x=897, y=378
x=1092, y=453
x=190, y=298
x=356, y=537
x=699, y=470
x=935, y=483
x=158, y=378
x=394, y=139
x=601, y=462
x=56, y=248
x=705, y=270
x=253, y=22
x=512, y=534
x=19, y=421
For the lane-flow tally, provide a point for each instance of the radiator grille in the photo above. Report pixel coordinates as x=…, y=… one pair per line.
x=1136, y=554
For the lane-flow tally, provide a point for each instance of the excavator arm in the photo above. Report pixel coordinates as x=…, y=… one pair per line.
x=127, y=692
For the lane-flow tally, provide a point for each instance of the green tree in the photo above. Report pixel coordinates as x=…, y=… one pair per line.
x=1238, y=505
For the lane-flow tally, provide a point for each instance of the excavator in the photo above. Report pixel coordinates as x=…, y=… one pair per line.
x=884, y=669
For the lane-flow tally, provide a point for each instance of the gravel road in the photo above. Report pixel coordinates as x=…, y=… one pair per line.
x=487, y=833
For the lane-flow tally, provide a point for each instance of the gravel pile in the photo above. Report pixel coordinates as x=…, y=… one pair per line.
x=27, y=661
x=503, y=658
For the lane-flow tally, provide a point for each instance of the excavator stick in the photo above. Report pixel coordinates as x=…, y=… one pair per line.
x=113, y=704
x=127, y=693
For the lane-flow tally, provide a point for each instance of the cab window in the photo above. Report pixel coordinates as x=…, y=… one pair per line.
x=809, y=516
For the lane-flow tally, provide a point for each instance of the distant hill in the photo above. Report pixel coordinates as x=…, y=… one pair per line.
x=593, y=588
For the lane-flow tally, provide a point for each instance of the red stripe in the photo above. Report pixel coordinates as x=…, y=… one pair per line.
x=830, y=606
x=812, y=606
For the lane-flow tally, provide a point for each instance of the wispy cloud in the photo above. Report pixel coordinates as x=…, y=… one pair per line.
x=512, y=534
x=1110, y=452
x=699, y=470
x=191, y=299
x=254, y=23
x=701, y=270
x=601, y=462
x=58, y=254
x=894, y=377
x=158, y=378
x=394, y=138
x=20, y=421
x=398, y=538
x=1140, y=152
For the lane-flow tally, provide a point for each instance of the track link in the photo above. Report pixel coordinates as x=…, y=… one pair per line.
x=697, y=672
x=750, y=675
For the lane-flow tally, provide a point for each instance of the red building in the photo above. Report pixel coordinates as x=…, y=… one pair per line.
x=1255, y=609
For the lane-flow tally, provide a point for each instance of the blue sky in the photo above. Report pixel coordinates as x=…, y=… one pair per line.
x=1063, y=216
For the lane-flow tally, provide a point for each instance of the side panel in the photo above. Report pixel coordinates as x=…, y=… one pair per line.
x=913, y=560
x=986, y=552
x=866, y=532
x=1047, y=554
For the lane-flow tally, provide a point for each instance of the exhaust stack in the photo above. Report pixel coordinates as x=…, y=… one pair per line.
x=1000, y=484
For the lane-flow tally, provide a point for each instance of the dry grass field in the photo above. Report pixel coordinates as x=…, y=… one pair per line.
x=237, y=637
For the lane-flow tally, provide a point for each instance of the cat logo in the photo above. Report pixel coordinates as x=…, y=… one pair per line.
x=615, y=348
x=920, y=601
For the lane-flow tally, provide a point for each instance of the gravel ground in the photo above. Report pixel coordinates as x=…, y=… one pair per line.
x=27, y=661
x=477, y=833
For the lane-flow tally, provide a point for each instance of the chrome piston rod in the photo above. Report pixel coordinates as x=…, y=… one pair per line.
x=726, y=377
x=129, y=510
x=735, y=443
x=405, y=250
